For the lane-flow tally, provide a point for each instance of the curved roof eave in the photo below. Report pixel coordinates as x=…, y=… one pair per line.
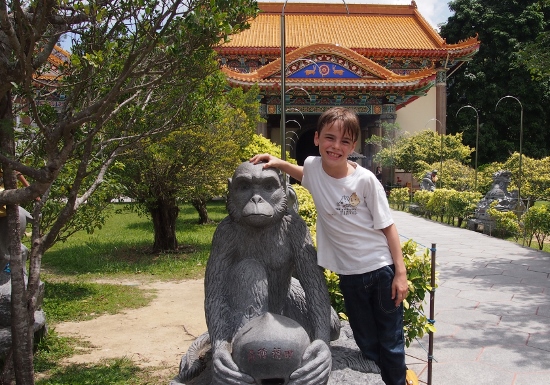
x=349, y=84
x=322, y=48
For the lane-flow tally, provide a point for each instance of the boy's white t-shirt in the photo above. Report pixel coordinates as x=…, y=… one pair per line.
x=351, y=212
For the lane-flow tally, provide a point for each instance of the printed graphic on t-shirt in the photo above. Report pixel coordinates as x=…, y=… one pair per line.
x=348, y=204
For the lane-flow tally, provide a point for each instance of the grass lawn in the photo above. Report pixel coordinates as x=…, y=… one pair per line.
x=120, y=250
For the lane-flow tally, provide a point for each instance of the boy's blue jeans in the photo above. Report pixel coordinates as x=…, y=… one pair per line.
x=376, y=323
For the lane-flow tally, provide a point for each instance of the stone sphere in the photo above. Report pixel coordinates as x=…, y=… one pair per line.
x=269, y=348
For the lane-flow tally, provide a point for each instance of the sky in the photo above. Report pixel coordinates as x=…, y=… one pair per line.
x=434, y=11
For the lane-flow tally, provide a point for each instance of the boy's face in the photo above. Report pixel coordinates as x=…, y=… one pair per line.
x=335, y=145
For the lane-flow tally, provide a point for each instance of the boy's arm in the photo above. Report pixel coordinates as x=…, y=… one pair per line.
x=400, y=286
x=295, y=171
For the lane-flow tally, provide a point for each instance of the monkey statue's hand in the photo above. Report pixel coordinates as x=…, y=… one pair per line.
x=316, y=365
x=225, y=371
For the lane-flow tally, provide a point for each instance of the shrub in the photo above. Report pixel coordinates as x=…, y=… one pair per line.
x=506, y=222
x=421, y=198
x=399, y=197
x=261, y=145
x=537, y=223
x=462, y=204
x=437, y=205
x=306, y=207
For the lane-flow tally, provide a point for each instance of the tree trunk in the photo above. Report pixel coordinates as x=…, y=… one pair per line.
x=200, y=205
x=164, y=216
x=8, y=375
x=21, y=325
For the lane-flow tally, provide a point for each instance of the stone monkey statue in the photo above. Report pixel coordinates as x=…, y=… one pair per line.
x=262, y=261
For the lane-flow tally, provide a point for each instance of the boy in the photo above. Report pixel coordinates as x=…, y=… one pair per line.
x=357, y=239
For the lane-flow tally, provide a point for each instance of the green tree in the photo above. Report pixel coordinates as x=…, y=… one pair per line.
x=536, y=56
x=456, y=176
x=537, y=223
x=424, y=151
x=535, y=176
x=122, y=52
x=391, y=135
x=503, y=27
x=429, y=147
x=195, y=160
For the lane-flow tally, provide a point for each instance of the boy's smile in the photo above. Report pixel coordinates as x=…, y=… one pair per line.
x=335, y=145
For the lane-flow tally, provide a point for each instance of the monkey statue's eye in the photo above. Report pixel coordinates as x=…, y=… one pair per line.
x=271, y=185
x=243, y=186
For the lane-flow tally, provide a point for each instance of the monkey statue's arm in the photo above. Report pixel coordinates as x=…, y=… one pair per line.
x=217, y=312
x=317, y=359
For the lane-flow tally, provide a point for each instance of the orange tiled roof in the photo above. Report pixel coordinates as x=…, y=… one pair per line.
x=365, y=27
x=57, y=58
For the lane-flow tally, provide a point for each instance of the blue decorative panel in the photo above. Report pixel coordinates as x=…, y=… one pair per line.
x=324, y=70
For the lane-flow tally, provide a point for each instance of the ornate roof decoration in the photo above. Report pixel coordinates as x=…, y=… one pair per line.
x=371, y=57
x=326, y=66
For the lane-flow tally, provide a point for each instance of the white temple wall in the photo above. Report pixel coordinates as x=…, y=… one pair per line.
x=415, y=117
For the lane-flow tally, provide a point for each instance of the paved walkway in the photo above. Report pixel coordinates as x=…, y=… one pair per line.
x=492, y=308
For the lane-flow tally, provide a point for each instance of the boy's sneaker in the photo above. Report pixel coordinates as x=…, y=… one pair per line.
x=411, y=377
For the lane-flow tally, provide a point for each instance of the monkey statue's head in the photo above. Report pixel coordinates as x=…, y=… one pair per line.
x=256, y=196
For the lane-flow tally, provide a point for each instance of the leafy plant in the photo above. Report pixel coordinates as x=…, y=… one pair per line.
x=419, y=270
x=537, y=223
x=306, y=207
x=421, y=198
x=461, y=205
x=262, y=145
x=437, y=205
x=506, y=222
x=336, y=297
x=399, y=197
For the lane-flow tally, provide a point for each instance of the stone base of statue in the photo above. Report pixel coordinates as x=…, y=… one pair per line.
x=5, y=314
x=349, y=367
x=5, y=286
x=484, y=226
x=499, y=198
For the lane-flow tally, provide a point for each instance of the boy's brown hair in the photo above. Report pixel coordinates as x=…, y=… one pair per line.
x=349, y=119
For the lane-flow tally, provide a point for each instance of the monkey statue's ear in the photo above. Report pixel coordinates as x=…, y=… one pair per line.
x=292, y=198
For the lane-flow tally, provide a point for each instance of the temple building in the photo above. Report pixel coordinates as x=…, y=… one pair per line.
x=383, y=61
x=45, y=82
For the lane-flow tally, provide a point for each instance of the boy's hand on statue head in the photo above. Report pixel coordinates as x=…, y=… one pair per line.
x=270, y=160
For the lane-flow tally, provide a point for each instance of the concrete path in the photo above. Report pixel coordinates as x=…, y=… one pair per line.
x=492, y=308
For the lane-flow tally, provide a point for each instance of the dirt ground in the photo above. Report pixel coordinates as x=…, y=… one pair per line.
x=157, y=335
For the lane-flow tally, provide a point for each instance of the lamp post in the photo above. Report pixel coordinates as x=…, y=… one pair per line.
x=520, y=140
x=440, y=150
x=283, y=85
x=477, y=141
